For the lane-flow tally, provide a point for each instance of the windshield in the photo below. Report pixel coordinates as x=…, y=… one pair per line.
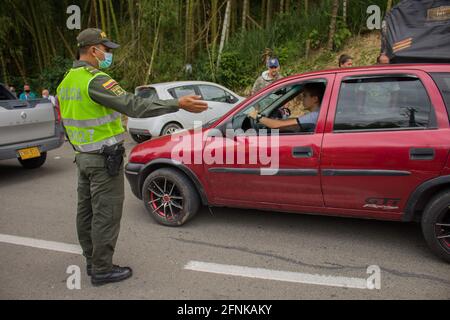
x=147, y=92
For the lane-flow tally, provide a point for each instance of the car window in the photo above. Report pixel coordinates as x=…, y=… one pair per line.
x=182, y=91
x=147, y=93
x=443, y=82
x=213, y=93
x=383, y=103
x=5, y=94
x=265, y=104
x=282, y=104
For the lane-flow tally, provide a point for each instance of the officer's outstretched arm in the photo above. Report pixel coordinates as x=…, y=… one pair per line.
x=107, y=92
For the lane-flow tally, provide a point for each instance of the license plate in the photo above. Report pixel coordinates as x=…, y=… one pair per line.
x=29, y=153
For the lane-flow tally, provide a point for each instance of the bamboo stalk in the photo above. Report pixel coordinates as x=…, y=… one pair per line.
x=39, y=36
x=113, y=15
x=254, y=22
x=244, y=15
x=344, y=11
x=186, y=34
x=25, y=21
x=102, y=15
x=269, y=13
x=132, y=19
x=108, y=18
x=214, y=12
x=389, y=5
x=154, y=49
x=224, y=32
x=86, y=18
x=332, y=29
x=307, y=48
x=95, y=13
x=20, y=67
x=189, y=38
x=263, y=12
x=69, y=49
x=50, y=36
x=5, y=73
x=139, y=21
x=230, y=3
x=233, y=19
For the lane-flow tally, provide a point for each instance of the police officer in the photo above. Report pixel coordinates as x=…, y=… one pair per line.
x=91, y=104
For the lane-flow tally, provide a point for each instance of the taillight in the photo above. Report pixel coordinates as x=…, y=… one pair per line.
x=57, y=111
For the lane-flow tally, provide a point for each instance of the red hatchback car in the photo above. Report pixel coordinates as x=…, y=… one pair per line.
x=378, y=148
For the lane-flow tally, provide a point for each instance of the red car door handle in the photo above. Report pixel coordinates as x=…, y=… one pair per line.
x=421, y=154
x=302, y=152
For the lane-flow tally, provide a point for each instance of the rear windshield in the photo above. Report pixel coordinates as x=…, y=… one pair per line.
x=147, y=93
x=443, y=82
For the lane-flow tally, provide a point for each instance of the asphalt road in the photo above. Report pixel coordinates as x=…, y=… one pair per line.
x=41, y=204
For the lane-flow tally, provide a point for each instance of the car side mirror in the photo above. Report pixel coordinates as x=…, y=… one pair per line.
x=230, y=99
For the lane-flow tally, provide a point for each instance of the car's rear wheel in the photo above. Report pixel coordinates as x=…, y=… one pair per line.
x=436, y=225
x=35, y=162
x=139, y=138
x=171, y=128
x=170, y=197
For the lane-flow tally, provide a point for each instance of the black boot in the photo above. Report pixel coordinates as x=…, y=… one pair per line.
x=115, y=275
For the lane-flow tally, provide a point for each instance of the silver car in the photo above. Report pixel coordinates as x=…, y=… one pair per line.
x=220, y=101
x=28, y=129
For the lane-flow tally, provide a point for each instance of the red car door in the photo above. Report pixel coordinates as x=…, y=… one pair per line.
x=383, y=138
x=292, y=182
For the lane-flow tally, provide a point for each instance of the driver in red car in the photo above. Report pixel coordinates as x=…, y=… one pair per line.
x=312, y=99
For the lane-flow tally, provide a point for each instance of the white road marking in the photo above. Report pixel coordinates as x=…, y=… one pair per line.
x=259, y=273
x=233, y=270
x=41, y=244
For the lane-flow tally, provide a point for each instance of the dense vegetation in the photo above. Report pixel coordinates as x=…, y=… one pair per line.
x=222, y=40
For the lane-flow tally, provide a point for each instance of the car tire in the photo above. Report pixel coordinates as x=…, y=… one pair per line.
x=171, y=128
x=139, y=138
x=35, y=162
x=436, y=225
x=170, y=197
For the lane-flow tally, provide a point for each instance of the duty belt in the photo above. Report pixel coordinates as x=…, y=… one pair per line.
x=97, y=146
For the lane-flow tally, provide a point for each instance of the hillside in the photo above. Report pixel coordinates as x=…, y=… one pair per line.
x=363, y=48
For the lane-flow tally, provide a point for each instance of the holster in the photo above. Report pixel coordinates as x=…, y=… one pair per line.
x=113, y=158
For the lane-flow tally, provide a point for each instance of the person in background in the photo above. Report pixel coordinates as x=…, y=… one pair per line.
x=27, y=94
x=12, y=89
x=383, y=59
x=46, y=95
x=269, y=76
x=345, y=61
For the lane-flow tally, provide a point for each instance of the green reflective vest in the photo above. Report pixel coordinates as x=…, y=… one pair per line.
x=89, y=125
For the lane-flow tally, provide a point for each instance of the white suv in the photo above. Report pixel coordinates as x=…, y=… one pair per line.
x=220, y=101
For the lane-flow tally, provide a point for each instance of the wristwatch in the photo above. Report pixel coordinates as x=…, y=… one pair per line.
x=258, y=117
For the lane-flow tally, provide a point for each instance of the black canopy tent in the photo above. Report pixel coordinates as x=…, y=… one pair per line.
x=417, y=31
